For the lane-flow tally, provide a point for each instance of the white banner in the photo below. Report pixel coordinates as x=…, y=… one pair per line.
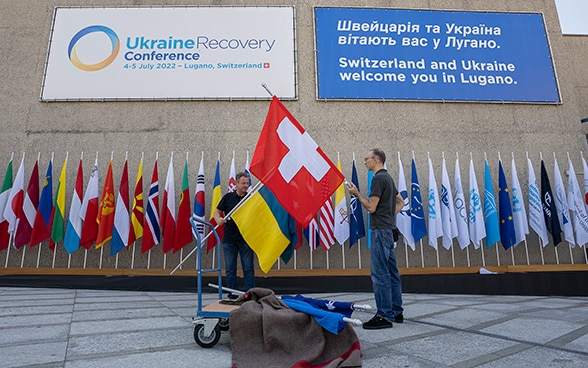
x=171, y=53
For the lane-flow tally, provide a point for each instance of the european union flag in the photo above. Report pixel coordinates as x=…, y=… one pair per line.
x=507, y=230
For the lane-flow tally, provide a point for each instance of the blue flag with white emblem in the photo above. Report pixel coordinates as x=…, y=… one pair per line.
x=507, y=230
x=417, y=213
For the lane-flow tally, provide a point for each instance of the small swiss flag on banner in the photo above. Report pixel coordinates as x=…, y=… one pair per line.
x=290, y=163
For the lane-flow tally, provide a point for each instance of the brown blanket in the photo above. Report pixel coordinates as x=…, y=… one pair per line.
x=266, y=333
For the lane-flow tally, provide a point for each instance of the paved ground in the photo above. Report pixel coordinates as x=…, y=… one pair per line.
x=94, y=328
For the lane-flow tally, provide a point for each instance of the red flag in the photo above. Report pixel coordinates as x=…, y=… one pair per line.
x=105, y=217
x=290, y=163
x=89, y=209
x=168, y=209
x=29, y=209
x=184, y=228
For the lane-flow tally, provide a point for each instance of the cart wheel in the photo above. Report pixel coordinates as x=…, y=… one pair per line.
x=206, y=342
x=224, y=324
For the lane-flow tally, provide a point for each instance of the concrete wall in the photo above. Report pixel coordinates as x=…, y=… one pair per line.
x=344, y=128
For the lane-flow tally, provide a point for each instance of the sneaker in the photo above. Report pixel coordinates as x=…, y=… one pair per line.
x=377, y=323
x=232, y=296
x=399, y=318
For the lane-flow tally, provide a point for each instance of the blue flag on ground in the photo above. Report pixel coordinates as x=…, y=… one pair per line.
x=356, y=226
x=507, y=230
x=418, y=225
x=330, y=321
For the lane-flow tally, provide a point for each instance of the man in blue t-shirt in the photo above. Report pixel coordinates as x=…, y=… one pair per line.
x=383, y=205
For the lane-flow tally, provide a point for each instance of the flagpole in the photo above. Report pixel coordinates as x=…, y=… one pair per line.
x=248, y=196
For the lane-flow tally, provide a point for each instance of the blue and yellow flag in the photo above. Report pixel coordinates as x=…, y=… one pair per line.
x=266, y=227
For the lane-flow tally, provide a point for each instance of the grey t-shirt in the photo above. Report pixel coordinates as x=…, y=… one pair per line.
x=383, y=186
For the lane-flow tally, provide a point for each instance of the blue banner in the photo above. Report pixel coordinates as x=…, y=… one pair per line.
x=393, y=54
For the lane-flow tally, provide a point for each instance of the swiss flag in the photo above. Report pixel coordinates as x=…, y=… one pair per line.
x=290, y=163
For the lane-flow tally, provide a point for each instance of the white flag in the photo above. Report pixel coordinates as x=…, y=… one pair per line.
x=519, y=213
x=585, y=167
x=435, y=221
x=536, y=219
x=341, y=213
x=403, y=218
x=461, y=212
x=232, y=179
x=15, y=199
x=447, y=209
x=576, y=204
x=561, y=204
x=477, y=227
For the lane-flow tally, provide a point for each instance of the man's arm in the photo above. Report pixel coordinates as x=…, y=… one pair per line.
x=369, y=204
x=218, y=217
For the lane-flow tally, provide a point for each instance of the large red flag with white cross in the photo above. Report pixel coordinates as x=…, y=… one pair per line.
x=290, y=163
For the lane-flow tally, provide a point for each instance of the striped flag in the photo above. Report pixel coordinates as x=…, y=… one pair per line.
x=41, y=227
x=73, y=232
x=168, y=209
x=435, y=220
x=311, y=233
x=184, y=229
x=356, y=225
x=461, y=212
x=6, y=186
x=58, y=215
x=521, y=224
x=216, y=197
x=327, y=225
x=29, y=209
x=152, y=230
x=122, y=220
x=536, y=219
x=89, y=209
x=137, y=215
x=490, y=209
x=341, y=213
x=105, y=217
x=476, y=224
x=199, y=199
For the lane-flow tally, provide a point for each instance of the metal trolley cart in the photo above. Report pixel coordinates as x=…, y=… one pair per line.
x=213, y=318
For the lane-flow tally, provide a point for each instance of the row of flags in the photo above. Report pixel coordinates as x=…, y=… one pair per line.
x=32, y=219
x=474, y=216
x=294, y=197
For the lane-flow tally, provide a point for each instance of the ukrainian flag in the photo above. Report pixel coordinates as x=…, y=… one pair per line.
x=266, y=227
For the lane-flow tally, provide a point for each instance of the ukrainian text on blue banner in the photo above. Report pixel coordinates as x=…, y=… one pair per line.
x=394, y=54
